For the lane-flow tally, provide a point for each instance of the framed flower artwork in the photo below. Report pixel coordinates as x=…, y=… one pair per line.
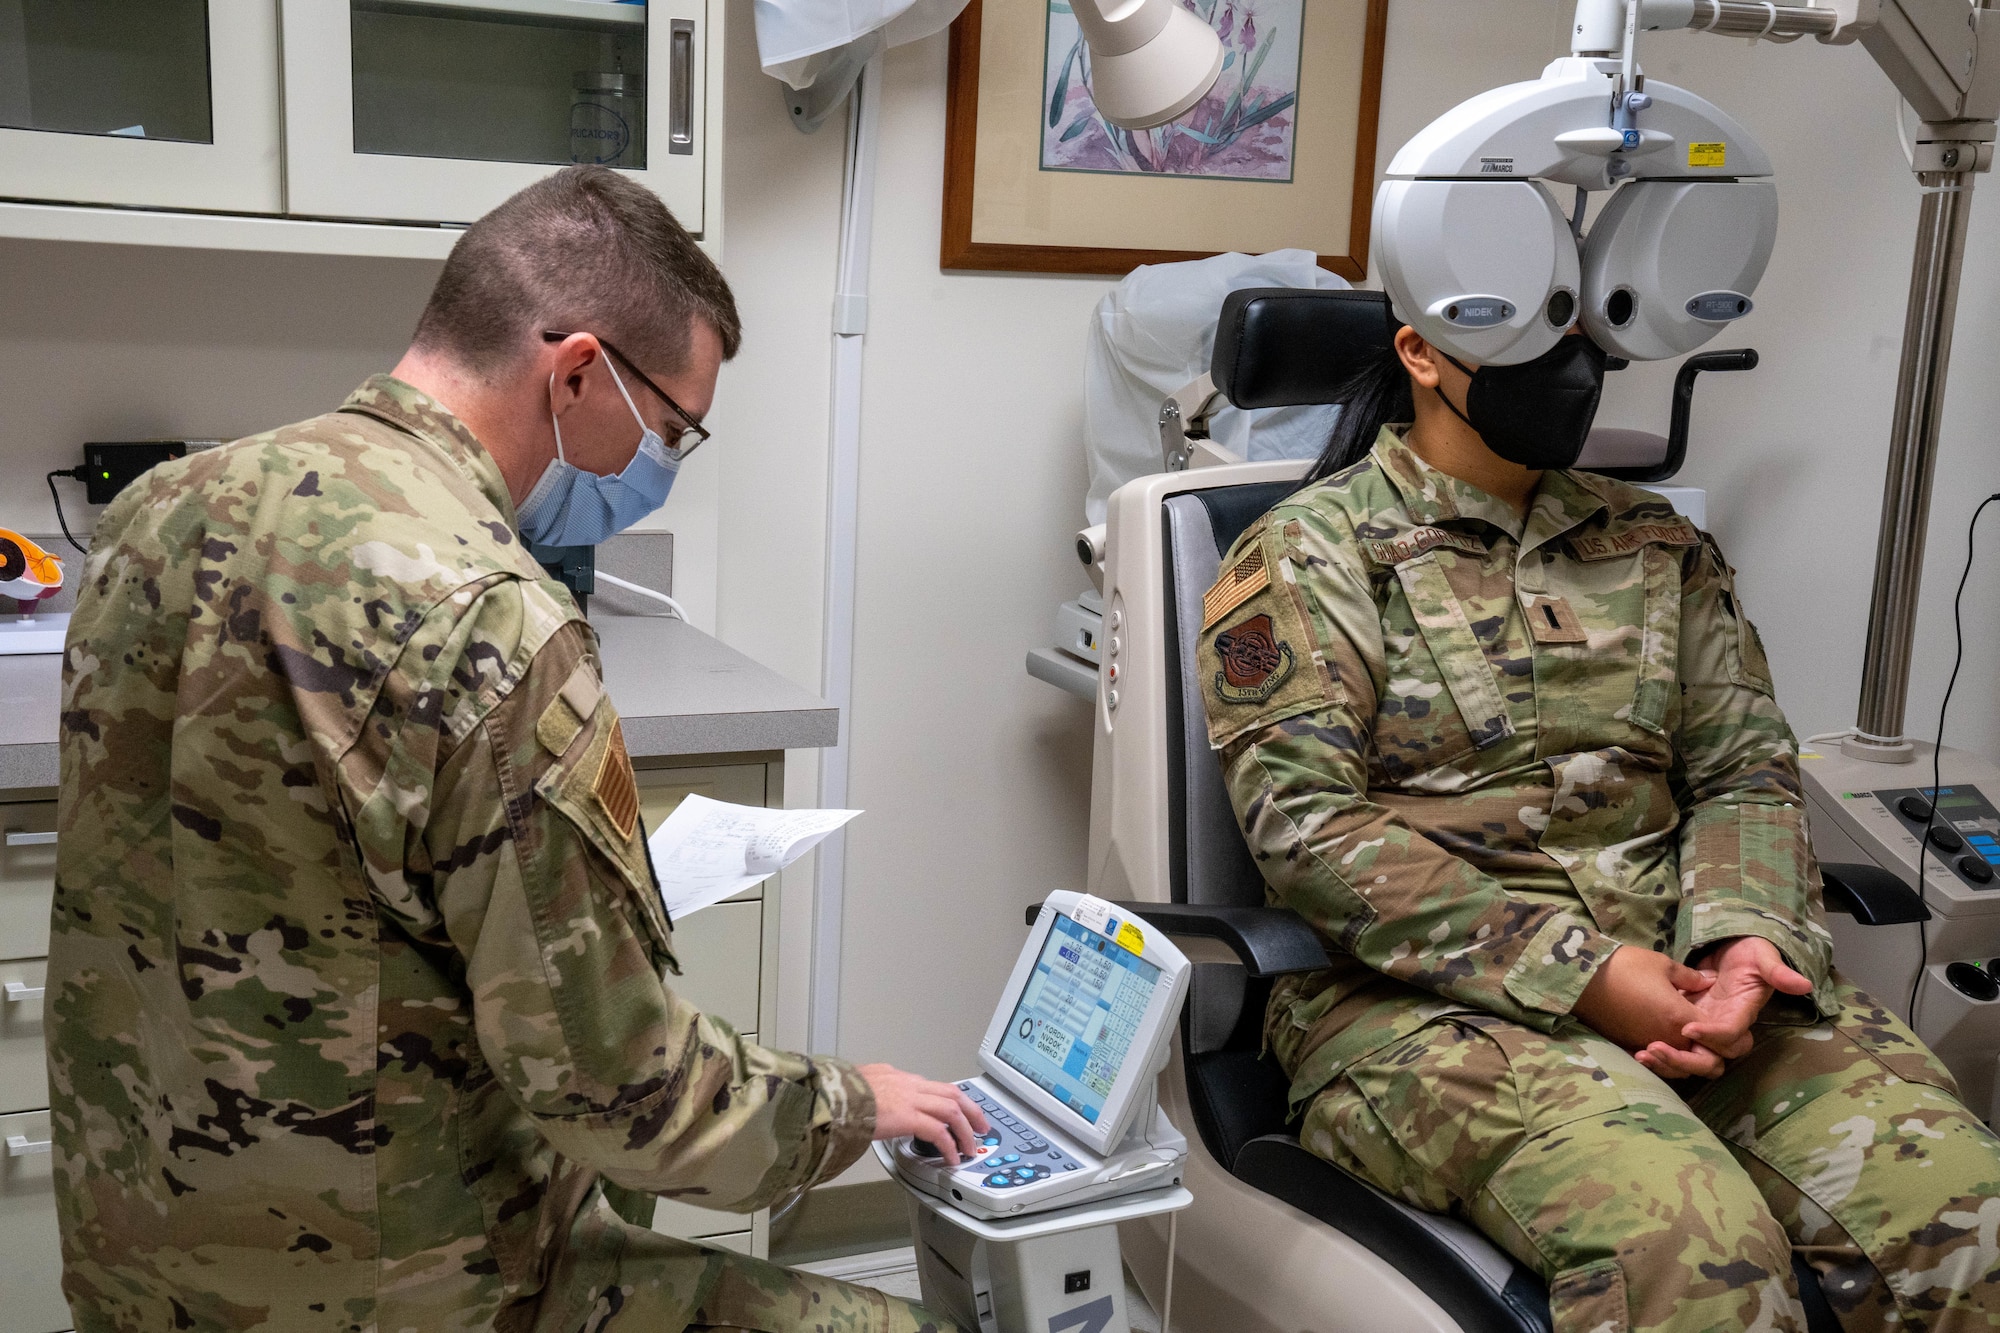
x=1280, y=153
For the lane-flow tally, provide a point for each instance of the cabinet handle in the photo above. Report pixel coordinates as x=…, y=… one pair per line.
x=680, y=88
x=16, y=838
x=20, y=994
x=20, y=1145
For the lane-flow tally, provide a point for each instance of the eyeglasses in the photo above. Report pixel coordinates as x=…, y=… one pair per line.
x=693, y=434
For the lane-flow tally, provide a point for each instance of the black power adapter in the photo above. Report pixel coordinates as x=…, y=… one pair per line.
x=110, y=467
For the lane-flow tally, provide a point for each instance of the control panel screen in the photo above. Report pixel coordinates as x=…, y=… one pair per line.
x=1077, y=1016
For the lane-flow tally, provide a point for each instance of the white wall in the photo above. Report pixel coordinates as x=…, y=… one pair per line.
x=101, y=342
x=974, y=776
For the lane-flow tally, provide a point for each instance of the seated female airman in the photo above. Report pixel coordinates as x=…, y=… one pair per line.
x=1502, y=732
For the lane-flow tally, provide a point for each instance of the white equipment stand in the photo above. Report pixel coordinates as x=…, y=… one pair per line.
x=1055, y=1272
x=1857, y=809
x=29, y=635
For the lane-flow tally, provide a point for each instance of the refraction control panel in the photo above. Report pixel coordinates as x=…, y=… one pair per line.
x=1965, y=836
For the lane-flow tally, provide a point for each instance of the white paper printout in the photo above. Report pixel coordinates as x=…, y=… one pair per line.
x=707, y=850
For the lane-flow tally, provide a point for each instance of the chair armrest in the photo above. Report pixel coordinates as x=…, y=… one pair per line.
x=1871, y=895
x=1270, y=941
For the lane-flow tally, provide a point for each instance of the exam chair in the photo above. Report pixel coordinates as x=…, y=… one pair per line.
x=1277, y=1241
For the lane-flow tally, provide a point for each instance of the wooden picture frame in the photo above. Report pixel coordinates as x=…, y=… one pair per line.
x=1306, y=208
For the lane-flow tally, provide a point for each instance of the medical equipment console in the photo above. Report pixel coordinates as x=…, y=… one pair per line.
x=1068, y=1063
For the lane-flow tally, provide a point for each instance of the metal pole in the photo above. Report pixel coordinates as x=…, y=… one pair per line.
x=1906, y=494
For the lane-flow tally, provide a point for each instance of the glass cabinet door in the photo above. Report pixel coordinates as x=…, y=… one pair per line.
x=436, y=110
x=168, y=103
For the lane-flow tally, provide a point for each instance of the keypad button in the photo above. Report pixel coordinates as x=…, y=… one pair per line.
x=1069, y=1166
x=1011, y=1158
x=999, y=1181
x=1056, y=1155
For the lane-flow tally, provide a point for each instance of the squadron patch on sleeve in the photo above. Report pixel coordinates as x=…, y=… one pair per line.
x=1244, y=580
x=616, y=788
x=1254, y=662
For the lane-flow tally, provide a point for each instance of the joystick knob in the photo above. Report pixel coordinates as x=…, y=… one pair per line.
x=922, y=1148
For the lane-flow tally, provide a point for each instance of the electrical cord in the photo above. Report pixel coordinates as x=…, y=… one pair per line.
x=1937, y=750
x=78, y=473
x=1167, y=1299
x=616, y=582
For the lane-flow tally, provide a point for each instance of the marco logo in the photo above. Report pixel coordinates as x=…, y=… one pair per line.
x=1092, y=1318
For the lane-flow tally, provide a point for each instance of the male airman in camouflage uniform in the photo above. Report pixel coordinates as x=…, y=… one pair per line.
x=1480, y=751
x=356, y=997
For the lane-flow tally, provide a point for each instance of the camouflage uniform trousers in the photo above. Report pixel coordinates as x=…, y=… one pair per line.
x=746, y=1295
x=1655, y=1207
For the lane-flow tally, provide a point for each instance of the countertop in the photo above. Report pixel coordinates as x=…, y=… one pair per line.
x=680, y=692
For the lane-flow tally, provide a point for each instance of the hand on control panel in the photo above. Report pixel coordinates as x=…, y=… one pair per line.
x=938, y=1115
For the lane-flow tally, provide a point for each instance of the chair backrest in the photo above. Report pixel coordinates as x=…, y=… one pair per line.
x=1207, y=858
x=1161, y=827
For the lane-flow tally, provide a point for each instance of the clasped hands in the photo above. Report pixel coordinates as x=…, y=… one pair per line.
x=1683, y=1022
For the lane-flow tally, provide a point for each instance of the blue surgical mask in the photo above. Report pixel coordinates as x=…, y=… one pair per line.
x=571, y=507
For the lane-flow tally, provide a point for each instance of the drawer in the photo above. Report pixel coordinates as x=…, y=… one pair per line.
x=24, y=1077
x=721, y=952
x=31, y=1275
x=661, y=791
x=27, y=878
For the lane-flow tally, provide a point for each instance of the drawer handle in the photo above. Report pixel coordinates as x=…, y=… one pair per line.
x=20, y=994
x=20, y=1145
x=680, y=87
x=16, y=838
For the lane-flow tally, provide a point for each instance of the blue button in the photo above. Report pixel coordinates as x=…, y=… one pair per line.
x=1024, y=1173
x=1011, y=1158
x=999, y=1181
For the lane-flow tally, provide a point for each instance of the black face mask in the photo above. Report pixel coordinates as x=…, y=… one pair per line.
x=1538, y=413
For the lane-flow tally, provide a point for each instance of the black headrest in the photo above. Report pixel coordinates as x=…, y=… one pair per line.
x=1276, y=346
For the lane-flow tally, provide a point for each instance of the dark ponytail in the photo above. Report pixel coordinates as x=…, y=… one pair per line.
x=1377, y=394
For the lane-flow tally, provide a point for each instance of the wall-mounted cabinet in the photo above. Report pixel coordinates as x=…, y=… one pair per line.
x=285, y=123
x=167, y=104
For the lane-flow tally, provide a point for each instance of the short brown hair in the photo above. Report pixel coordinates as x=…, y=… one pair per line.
x=582, y=250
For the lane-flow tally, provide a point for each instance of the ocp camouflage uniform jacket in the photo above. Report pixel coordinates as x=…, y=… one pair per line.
x=1479, y=753
x=355, y=986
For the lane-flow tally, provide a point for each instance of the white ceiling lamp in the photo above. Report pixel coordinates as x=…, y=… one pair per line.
x=1150, y=60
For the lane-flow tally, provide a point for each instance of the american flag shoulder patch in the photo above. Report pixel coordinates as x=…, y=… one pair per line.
x=1238, y=584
